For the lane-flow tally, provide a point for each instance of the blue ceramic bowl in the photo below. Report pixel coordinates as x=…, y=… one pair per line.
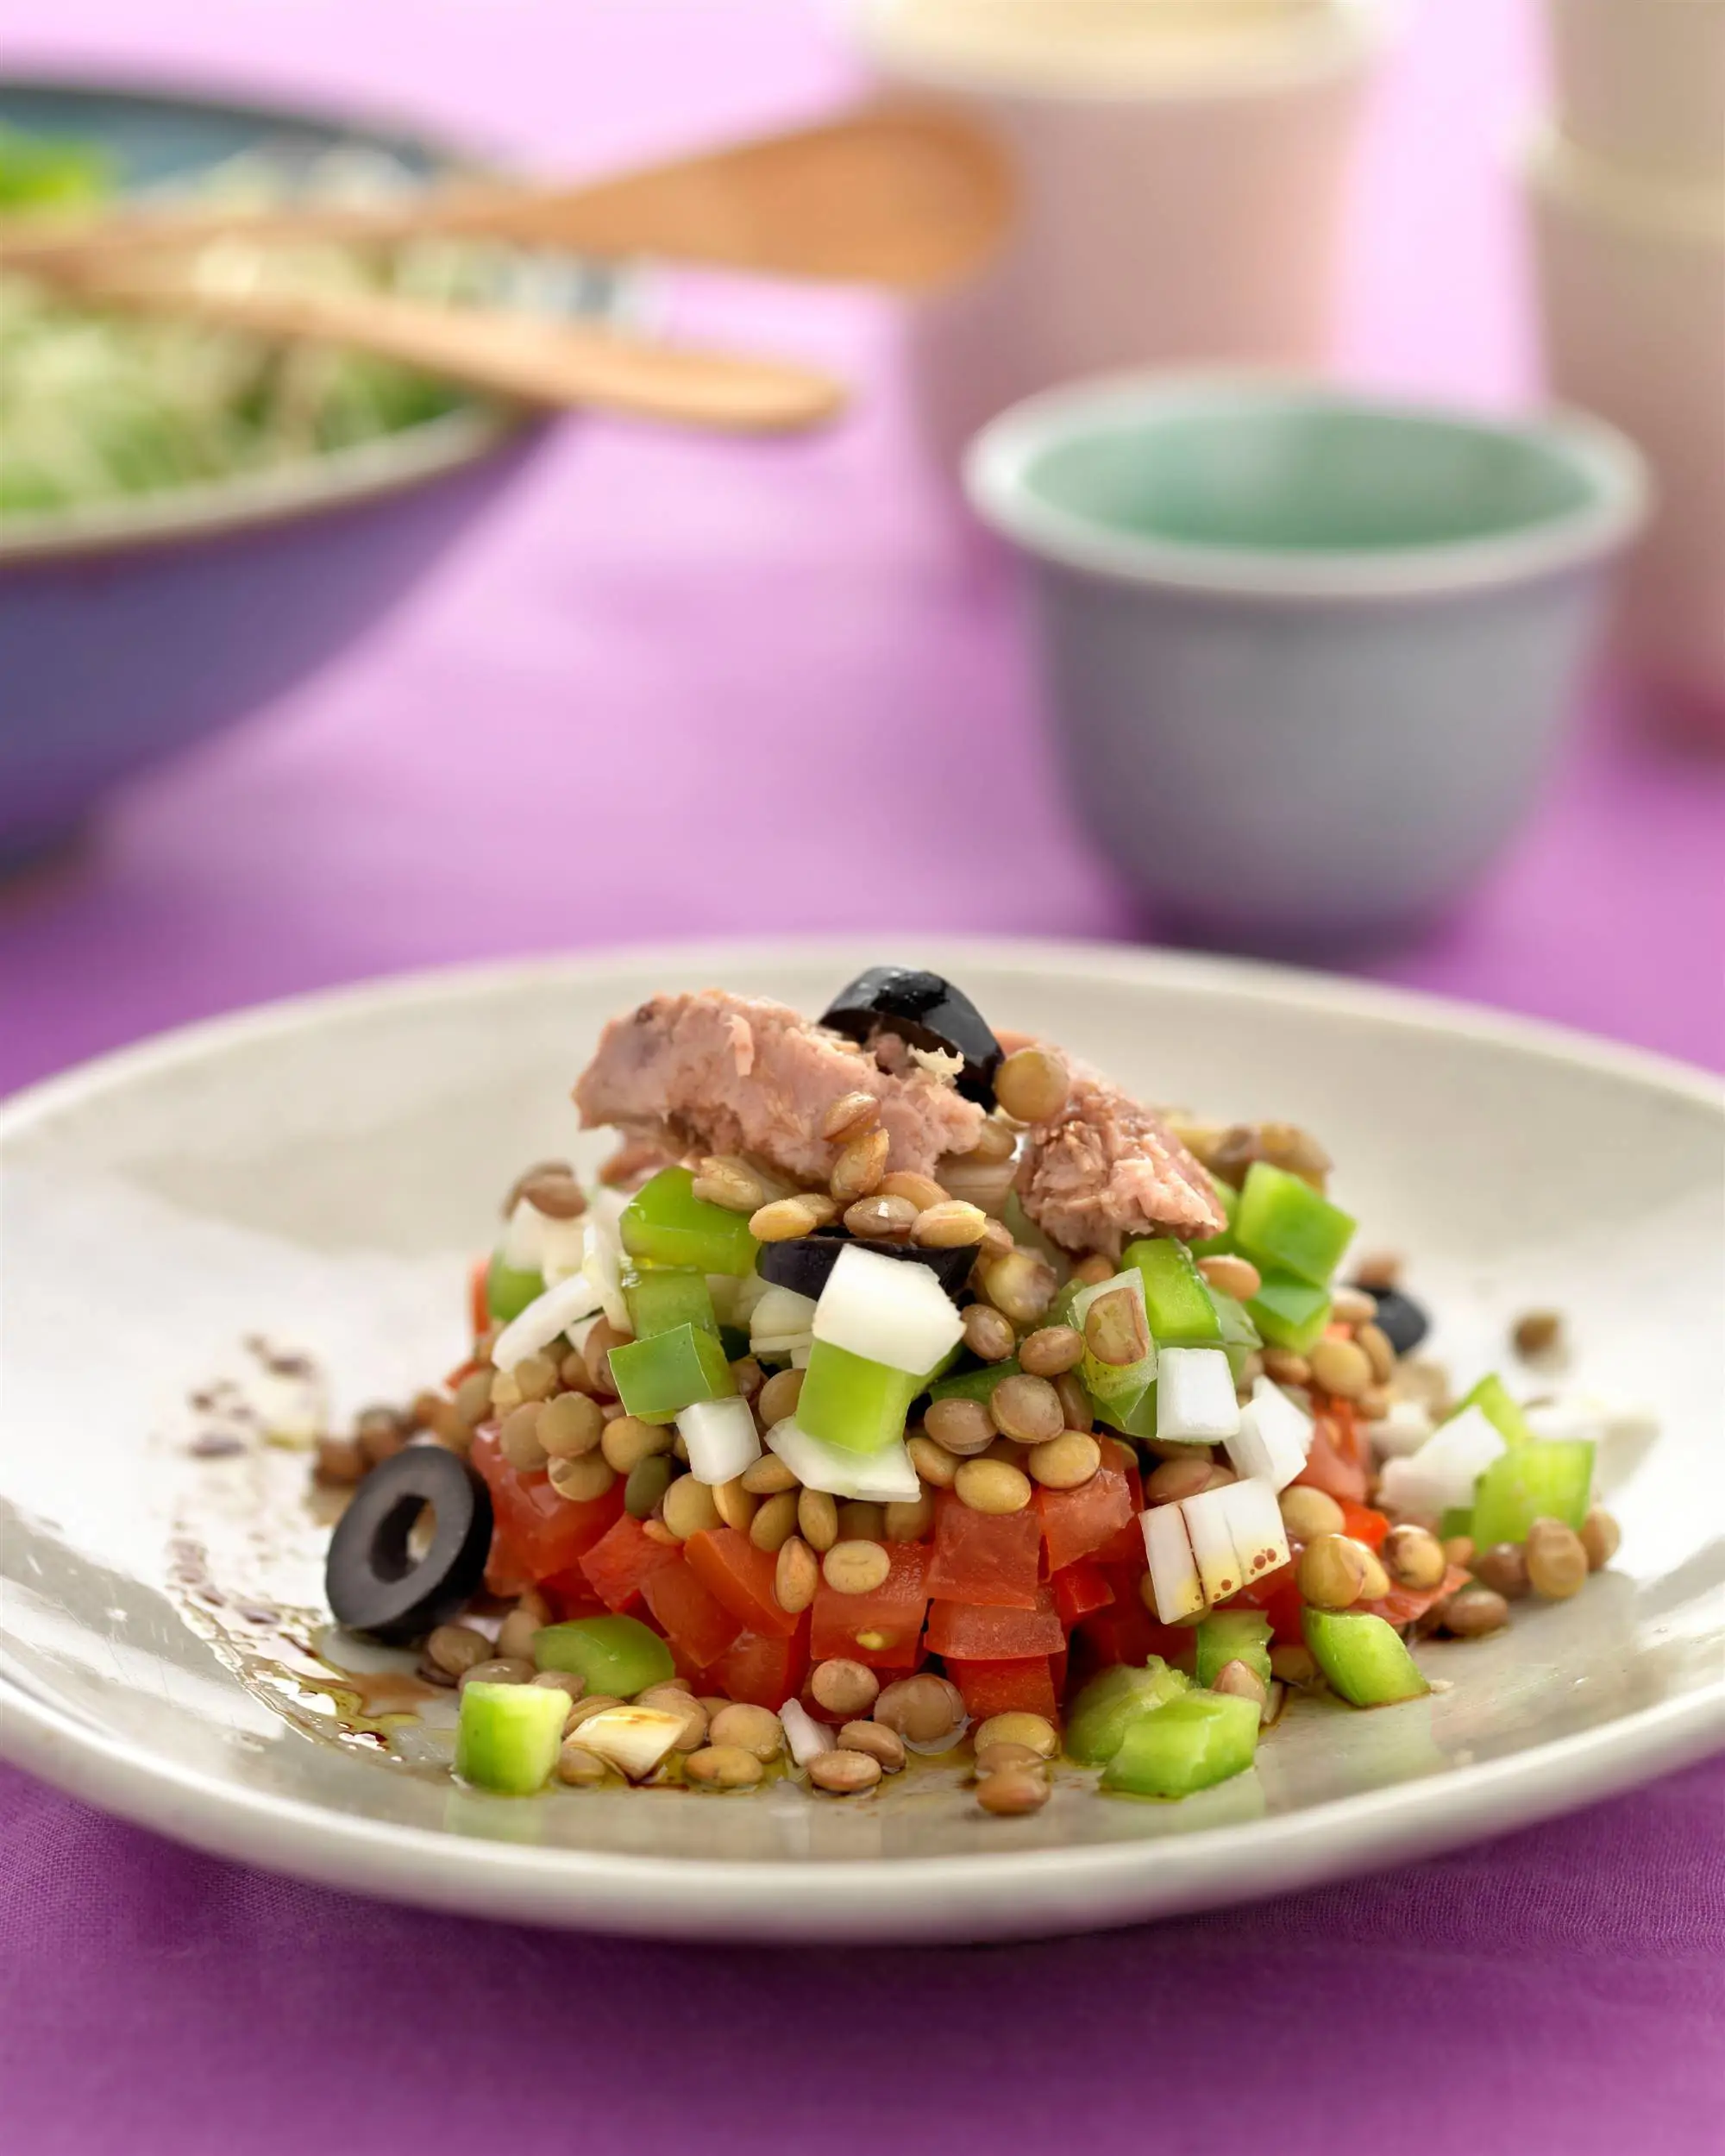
x=131, y=630
x=1307, y=652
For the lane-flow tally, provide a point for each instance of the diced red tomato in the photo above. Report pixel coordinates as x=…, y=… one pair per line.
x=1125, y=1545
x=1276, y=1595
x=622, y=1558
x=1007, y=1688
x=763, y=1668
x=989, y=1558
x=1126, y=1631
x=883, y=1629
x=1077, y=1522
x=1078, y=1590
x=1401, y=1605
x=479, y=1302
x=741, y=1576
x=1336, y=1462
x=979, y=1634
x=690, y=1615
x=570, y=1594
x=536, y=1532
x=1363, y=1524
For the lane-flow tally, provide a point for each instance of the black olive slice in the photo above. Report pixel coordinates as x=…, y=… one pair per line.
x=926, y=1011
x=803, y=1263
x=1400, y=1319
x=374, y=1584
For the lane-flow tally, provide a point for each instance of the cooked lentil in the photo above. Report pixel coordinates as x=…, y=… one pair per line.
x=987, y=1334
x=1066, y=1462
x=882, y=1745
x=1600, y=1538
x=1556, y=1560
x=689, y=1507
x=990, y=1486
x=844, y=1772
x=572, y=1424
x=818, y=1520
x=796, y=1576
x=1032, y=1085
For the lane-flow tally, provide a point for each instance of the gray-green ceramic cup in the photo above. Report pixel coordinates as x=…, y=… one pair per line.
x=1306, y=652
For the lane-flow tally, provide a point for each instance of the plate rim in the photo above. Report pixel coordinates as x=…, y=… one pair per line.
x=906, y=1898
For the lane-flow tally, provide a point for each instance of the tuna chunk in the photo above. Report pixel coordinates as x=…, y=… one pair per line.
x=738, y=1074
x=1105, y=1170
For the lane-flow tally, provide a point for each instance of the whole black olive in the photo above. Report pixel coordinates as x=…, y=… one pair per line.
x=926, y=1011
x=803, y=1263
x=1400, y=1318
x=374, y=1583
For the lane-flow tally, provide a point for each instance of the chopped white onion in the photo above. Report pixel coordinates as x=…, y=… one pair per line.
x=807, y=1738
x=780, y=1315
x=544, y=1317
x=1209, y=1528
x=563, y=1249
x=632, y=1738
x=602, y=1266
x=1173, y=1571
x=744, y=1295
x=523, y=1238
x=1442, y=1473
x=801, y=1356
x=1194, y=1396
x=1403, y=1431
x=1273, y=1438
x=1255, y=1522
x=721, y=1438
x=885, y=1477
x=887, y=1311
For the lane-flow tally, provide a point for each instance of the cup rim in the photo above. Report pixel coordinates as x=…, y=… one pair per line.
x=997, y=462
x=1349, y=35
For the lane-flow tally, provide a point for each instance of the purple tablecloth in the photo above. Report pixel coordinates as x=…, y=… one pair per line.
x=747, y=640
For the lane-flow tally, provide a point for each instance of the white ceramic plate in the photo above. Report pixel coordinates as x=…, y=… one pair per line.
x=319, y=1172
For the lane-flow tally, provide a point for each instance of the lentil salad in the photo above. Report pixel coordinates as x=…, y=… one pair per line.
x=899, y=1386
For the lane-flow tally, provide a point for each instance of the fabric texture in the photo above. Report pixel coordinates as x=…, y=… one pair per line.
x=676, y=687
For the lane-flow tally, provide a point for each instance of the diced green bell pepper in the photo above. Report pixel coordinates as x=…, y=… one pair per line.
x=665, y=1224
x=1363, y=1657
x=1228, y=1636
x=1187, y=1745
x=1220, y=1246
x=1491, y=1398
x=656, y=1379
x=662, y=1297
x=1458, y=1520
x=1176, y=1298
x=509, y=1735
x=1289, y=1312
x=1240, y=1338
x=509, y=1289
x=617, y=1655
x=852, y=1403
x=1110, y=1703
x=1548, y=1480
x=1284, y=1223
x=972, y=1385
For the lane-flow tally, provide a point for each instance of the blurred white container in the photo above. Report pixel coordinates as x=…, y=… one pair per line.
x=1182, y=165
x=1632, y=287
x=1642, y=82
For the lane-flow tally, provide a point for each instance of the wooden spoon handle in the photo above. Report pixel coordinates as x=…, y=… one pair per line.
x=557, y=365
x=904, y=197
